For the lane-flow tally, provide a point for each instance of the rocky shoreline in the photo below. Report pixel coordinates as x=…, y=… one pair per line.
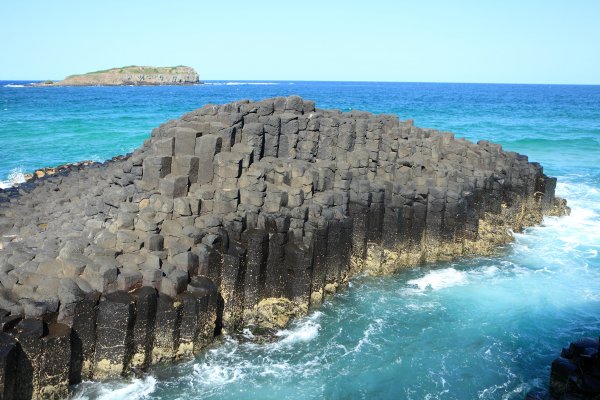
x=238, y=215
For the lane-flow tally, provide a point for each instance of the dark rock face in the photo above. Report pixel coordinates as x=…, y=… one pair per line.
x=243, y=214
x=576, y=374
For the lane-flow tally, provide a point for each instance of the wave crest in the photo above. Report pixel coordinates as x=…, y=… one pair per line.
x=440, y=279
x=136, y=389
x=15, y=177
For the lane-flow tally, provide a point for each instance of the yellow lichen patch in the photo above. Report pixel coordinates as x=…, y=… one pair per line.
x=249, y=316
x=381, y=261
x=277, y=312
x=138, y=359
x=559, y=208
x=331, y=288
x=185, y=350
x=316, y=297
x=86, y=368
x=51, y=392
x=107, y=369
x=161, y=354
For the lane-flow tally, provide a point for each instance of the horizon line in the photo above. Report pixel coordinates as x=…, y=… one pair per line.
x=352, y=81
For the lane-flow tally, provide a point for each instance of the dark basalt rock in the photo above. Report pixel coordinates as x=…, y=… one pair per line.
x=8, y=365
x=238, y=215
x=577, y=371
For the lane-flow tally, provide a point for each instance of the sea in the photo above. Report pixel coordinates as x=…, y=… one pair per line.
x=477, y=328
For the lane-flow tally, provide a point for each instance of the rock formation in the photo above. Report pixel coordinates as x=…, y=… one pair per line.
x=133, y=75
x=575, y=374
x=243, y=214
x=577, y=371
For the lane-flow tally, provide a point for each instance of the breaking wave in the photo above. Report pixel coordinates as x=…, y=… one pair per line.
x=15, y=177
x=240, y=83
x=136, y=389
x=440, y=279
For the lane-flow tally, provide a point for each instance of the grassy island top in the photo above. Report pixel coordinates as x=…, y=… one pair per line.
x=137, y=69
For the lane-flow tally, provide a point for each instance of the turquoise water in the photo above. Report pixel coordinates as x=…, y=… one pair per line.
x=483, y=328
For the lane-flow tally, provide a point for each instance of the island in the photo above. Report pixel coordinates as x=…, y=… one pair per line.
x=132, y=75
x=242, y=215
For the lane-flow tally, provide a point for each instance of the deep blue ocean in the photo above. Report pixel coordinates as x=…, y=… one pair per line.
x=482, y=328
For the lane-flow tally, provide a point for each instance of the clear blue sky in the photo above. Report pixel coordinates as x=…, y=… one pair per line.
x=508, y=41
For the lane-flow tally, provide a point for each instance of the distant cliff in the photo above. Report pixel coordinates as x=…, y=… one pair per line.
x=134, y=75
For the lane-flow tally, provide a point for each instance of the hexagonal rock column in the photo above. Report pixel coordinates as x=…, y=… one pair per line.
x=40, y=359
x=29, y=333
x=56, y=356
x=299, y=261
x=257, y=245
x=155, y=168
x=83, y=338
x=232, y=285
x=8, y=365
x=143, y=329
x=208, y=298
x=114, y=334
x=166, y=332
x=319, y=246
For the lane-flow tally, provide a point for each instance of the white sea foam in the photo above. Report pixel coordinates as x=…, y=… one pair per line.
x=136, y=389
x=487, y=271
x=422, y=306
x=15, y=177
x=240, y=83
x=247, y=334
x=252, y=83
x=567, y=243
x=373, y=328
x=306, y=330
x=440, y=279
x=214, y=374
x=581, y=230
x=13, y=85
x=230, y=363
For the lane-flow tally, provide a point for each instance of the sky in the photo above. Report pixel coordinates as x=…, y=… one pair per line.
x=509, y=41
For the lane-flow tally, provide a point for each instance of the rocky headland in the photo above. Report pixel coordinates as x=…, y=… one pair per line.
x=238, y=215
x=132, y=75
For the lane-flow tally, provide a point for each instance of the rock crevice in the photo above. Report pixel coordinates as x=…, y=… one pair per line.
x=243, y=214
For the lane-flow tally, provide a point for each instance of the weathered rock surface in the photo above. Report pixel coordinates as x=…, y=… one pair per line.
x=243, y=214
x=133, y=75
